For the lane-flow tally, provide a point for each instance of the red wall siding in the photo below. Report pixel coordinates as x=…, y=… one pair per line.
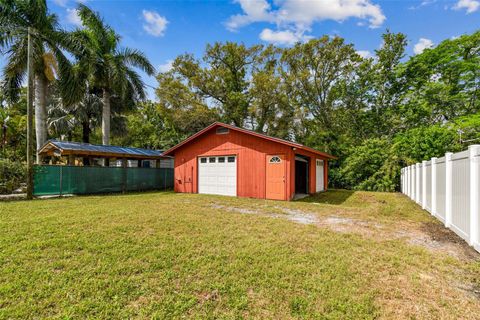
x=251, y=155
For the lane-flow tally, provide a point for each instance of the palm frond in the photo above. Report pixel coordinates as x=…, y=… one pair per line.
x=12, y=85
x=15, y=69
x=100, y=31
x=136, y=83
x=137, y=59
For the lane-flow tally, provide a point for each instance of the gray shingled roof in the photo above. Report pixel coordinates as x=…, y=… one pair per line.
x=95, y=148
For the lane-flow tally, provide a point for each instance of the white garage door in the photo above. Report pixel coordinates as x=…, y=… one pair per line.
x=217, y=175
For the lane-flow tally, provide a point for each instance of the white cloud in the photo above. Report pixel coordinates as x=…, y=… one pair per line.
x=422, y=44
x=165, y=67
x=423, y=4
x=154, y=24
x=73, y=17
x=469, y=5
x=255, y=11
x=365, y=54
x=294, y=18
x=285, y=37
x=61, y=3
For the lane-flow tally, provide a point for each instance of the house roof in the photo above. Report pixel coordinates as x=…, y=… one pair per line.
x=250, y=132
x=78, y=148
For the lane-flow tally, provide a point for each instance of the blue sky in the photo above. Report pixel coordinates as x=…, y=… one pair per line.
x=165, y=29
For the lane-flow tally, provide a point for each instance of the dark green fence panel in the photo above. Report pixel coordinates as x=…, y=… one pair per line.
x=169, y=178
x=143, y=179
x=81, y=180
x=54, y=180
x=46, y=180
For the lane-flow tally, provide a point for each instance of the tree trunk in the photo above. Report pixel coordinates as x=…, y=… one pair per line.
x=30, y=116
x=85, y=132
x=106, y=117
x=41, y=85
x=86, y=139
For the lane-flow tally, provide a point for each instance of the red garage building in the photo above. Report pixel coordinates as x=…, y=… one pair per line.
x=227, y=160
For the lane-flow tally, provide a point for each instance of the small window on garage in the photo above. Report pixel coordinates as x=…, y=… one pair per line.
x=231, y=159
x=211, y=160
x=275, y=159
x=221, y=159
x=203, y=160
x=222, y=130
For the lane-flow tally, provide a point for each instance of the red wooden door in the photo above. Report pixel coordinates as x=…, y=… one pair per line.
x=275, y=177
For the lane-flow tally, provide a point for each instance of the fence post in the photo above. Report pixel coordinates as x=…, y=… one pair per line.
x=474, y=155
x=434, y=186
x=417, y=182
x=448, y=189
x=410, y=175
x=61, y=181
x=402, y=180
x=424, y=184
x=405, y=179
x=165, y=179
x=405, y=188
x=410, y=184
x=124, y=174
x=409, y=189
x=415, y=190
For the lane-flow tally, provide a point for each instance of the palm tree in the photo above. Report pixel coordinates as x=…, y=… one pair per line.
x=49, y=42
x=109, y=68
x=85, y=114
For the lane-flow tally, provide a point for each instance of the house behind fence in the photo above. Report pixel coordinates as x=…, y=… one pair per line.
x=449, y=188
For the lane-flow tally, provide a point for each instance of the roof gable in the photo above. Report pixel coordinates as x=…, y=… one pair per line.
x=250, y=132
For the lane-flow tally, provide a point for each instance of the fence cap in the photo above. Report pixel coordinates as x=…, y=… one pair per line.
x=474, y=150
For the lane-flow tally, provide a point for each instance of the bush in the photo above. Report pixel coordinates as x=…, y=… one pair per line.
x=363, y=162
x=375, y=164
x=12, y=175
x=423, y=143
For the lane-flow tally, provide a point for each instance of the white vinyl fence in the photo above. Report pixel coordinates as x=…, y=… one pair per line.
x=449, y=188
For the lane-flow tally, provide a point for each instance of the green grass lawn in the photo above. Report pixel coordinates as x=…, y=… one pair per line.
x=338, y=255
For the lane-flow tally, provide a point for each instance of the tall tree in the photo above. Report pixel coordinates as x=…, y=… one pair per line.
x=387, y=83
x=224, y=78
x=317, y=73
x=182, y=109
x=107, y=66
x=269, y=111
x=49, y=61
x=443, y=82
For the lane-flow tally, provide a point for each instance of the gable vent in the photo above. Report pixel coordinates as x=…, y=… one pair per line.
x=222, y=130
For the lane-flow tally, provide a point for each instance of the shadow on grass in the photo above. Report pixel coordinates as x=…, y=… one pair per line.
x=333, y=196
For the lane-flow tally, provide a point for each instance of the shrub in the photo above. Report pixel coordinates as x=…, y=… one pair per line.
x=363, y=162
x=12, y=175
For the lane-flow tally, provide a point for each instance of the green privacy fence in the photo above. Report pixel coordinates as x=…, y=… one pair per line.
x=58, y=180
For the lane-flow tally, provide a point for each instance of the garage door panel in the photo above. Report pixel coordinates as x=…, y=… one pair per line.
x=217, y=175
